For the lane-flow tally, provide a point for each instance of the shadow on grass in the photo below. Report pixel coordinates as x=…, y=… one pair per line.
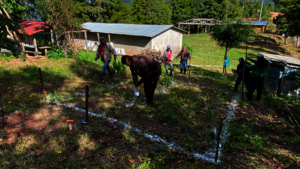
x=262, y=136
x=22, y=89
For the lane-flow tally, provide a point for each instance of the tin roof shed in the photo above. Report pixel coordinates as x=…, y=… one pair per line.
x=128, y=29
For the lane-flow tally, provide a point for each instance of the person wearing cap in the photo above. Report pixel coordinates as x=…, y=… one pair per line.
x=148, y=69
x=185, y=55
x=168, y=57
x=257, y=76
x=240, y=70
x=105, y=52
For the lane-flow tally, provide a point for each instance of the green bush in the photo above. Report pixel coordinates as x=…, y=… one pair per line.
x=83, y=55
x=166, y=79
x=7, y=57
x=56, y=53
x=22, y=56
x=118, y=68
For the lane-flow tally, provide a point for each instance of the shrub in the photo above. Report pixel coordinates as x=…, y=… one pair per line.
x=7, y=57
x=56, y=53
x=118, y=68
x=22, y=56
x=167, y=80
x=83, y=55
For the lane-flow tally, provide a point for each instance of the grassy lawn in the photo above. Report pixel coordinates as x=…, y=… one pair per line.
x=36, y=134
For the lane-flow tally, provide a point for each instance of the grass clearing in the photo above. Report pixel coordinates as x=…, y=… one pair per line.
x=36, y=134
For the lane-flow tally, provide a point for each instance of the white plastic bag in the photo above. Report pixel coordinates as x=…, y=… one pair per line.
x=122, y=51
x=136, y=91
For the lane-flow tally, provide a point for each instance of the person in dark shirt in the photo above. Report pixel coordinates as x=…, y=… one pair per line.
x=257, y=76
x=148, y=69
x=184, y=56
x=239, y=70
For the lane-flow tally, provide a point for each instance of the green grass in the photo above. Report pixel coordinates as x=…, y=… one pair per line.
x=185, y=115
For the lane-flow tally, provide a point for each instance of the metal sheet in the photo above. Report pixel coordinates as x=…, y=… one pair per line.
x=128, y=29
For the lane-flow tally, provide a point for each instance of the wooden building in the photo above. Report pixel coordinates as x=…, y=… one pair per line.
x=133, y=38
x=33, y=29
x=258, y=26
x=281, y=74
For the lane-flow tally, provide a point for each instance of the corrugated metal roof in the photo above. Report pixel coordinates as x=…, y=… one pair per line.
x=289, y=61
x=128, y=29
x=258, y=23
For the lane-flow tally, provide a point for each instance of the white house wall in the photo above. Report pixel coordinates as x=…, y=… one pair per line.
x=131, y=44
x=170, y=37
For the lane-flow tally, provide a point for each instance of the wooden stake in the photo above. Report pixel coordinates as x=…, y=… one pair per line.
x=2, y=108
x=86, y=43
x=86, y=103
x=42, y=83
x=51, y=36
x=35, y=46
x=109, y=38
x=98, y=36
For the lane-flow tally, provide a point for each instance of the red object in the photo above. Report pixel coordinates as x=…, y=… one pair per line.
x=169, y=55
x=102, y=47
x=32, y=27
x=69, y=121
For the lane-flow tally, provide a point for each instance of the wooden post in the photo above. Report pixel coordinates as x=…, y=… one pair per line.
x=86, y=103
x=35, y=46
x=98, y=36
x=198, y=30
x=189, y=30
x=85, y=37
x=178, y=25
x=1, y=100
x=108, y=38
x=205, y=28
x=23, y=47
x=42, y=83
x=51, y=36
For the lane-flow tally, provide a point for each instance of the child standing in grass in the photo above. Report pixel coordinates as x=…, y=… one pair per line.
x=185, y=55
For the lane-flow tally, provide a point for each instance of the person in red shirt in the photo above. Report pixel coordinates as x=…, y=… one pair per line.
x=105, y=52
x=168, y=57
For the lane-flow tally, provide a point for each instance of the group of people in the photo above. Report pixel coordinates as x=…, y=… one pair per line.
x=150, y=69
x=252, y=80
x=147, y=68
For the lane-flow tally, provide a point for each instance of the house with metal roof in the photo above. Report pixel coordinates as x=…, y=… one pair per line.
x=281, y=74
x=133, y=38
x=258, y=26
x=35, y=30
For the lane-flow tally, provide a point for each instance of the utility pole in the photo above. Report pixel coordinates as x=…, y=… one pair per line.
x=262, y=4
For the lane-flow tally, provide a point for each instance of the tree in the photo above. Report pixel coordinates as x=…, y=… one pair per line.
x=181, y=10
x=281, y=25
x=7, y=26
x=292, y=16
x=118, y=13
x=223, y=9
x=63, y=16
x=230, y=34
x=150, y=12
